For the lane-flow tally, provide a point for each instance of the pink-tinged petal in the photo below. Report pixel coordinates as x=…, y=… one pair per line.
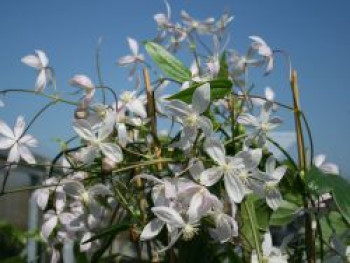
x=19, y=126
x=216, y=150
x=26, y=154
x=84, y=130
x=29, y=140
x=126, y=60
x=234, y=188
x=319, y=160
x=248, y=120
x=251, y=159
x=32, y=61
x=169, y=216
x=197, y=208
x=201, y=98
x=42, y=197
x=14, y=154
x=196, y=168
x=211, y=176
x=43, y=58
x=41, y=81
x=136, y=106
x=152, y=229
x=112, y=151
x=48, y=226
x=134, y=47
x=73, y=189
x=6, y=130
x=82, y=81
x=6, y=143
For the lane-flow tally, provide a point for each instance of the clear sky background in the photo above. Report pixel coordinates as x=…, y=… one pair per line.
x=315, y=33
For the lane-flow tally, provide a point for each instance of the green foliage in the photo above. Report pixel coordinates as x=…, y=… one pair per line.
x=321, y=183
x=170, y=65
x=284, y=214
x=219, y=88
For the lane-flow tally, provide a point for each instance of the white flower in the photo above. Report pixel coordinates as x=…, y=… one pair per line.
x=271, y=178
x=222, y=24
x=271, y=254
x=202, y=27
x=175, y=223
x=264, y=50
x=163, y=20
x=86, y=84
x=191, y=115
x=17, y=141
x=328, y=168
x=40, y=62
x=52, y=218
x=262, y=124
x=132, y=103
x=42, y=195
x=132, y=59
x=225, y=227
x=97, y=143
x=236, y=170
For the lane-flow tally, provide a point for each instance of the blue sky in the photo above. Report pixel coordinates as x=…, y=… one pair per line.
x=315, y=33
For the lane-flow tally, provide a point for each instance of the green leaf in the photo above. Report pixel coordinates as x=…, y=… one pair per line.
x=321, y=183
x=170, y=65
x=250, y=227
x=219, y=88
x=223, y=72
x=284, y=214
x=112, y=230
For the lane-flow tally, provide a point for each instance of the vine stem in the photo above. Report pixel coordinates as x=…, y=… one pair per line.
x=309, y=238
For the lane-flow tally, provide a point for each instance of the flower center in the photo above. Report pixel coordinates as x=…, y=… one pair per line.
x=270, y=186
x=126, y=97
x=189, y=232
x=191, y=120
x=265, y=127
x=85, y=197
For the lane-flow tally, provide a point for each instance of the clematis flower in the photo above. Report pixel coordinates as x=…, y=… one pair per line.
x=86, y=84
x=271, y=254
x=225, y=227
x=133, y=103
x=264, y=50
x=42, y=195
x=176, y=224
x=202, y=27
x=222, y=24
x=262, y=125
x=328, y=168
x=236, y=170
x=163, y=20
x=271, y=178
x=190, y=116
x=17, y=141
x=40, y=62
x=133, y=59
x=97, y=143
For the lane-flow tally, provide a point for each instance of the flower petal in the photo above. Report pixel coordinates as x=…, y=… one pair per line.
x=169, y=216
x=201, y=98
x=234, y=188
x=112, y=151
x=6, y=130
x=26, y=154
x=43, y=58
x=152, y=229
x=32, y=61
x=216, y=150
x=211, y=176
x=84, y=130
x=134, y=47
x=6, y=143
x=48, y=227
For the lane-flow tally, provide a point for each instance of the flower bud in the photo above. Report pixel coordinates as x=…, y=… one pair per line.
x=81, y=113
x=107, y=165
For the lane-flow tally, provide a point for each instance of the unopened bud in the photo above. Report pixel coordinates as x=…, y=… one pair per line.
x=81, y=113
x=108, y=165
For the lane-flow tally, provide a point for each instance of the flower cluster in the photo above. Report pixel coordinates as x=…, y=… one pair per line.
x=196, y=163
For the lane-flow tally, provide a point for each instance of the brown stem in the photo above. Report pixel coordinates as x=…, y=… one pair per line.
x=309, y=237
